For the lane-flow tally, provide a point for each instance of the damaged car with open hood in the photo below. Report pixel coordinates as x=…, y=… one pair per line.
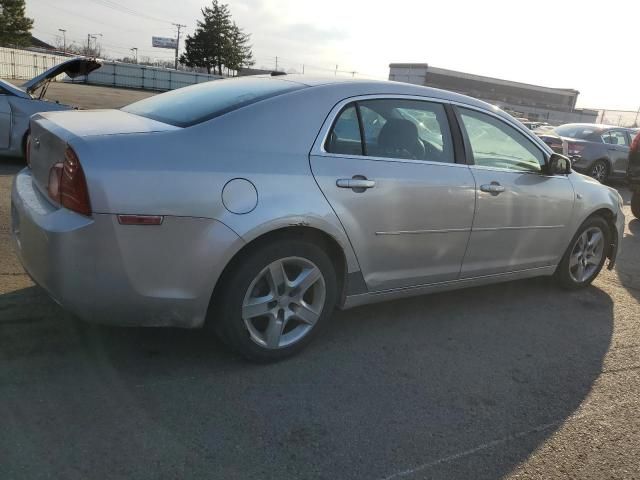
x=17, y=104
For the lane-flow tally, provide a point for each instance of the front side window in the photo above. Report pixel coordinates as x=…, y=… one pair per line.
x=496, y=144
x=606, y=137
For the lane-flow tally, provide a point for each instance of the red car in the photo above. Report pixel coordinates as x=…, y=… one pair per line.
x=633, y=174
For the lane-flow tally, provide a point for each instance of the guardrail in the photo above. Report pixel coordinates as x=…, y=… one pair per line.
x=25, y=64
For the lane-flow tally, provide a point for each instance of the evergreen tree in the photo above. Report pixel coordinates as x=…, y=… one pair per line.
x=15, y=27
x=217, y=42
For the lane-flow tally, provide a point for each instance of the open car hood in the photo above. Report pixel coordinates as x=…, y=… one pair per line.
x=74, y=67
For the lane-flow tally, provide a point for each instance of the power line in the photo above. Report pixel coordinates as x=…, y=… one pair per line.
x=124, y=9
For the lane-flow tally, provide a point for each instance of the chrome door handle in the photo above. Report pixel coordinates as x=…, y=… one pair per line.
x=493, y=188
x=355, y=183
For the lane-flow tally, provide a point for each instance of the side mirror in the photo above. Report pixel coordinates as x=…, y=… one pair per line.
x=558, y=165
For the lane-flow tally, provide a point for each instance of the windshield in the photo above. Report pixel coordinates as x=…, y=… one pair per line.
x=198, y=103
x=576, y=131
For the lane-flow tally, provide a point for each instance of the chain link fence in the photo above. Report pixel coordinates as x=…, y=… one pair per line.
x=621, y=118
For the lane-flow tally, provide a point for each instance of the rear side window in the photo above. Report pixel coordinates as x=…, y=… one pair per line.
x=619, y=137
x=345, y=135
x=582, y=132
x=198, y=103
x=393, y=128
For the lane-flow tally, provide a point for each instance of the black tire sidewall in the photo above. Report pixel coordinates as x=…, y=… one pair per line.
x=563, y=274
x=228, y=320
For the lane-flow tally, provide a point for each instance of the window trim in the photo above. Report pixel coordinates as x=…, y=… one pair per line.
x=469, y=152
x=460, y=152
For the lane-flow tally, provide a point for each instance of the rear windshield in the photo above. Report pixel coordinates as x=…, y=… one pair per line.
x=576, y=131
x=198, y=103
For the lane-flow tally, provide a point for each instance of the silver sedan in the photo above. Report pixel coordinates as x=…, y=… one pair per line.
x=255, y=206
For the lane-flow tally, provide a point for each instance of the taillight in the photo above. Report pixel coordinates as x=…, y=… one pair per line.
x=67, y=184
x=574, y=148
x=27, y=151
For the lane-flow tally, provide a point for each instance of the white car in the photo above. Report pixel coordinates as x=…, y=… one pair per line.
x=17, y=104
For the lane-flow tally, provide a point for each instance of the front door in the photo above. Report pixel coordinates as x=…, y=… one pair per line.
x=388, y=169
x=522, y=214
x=619, y=151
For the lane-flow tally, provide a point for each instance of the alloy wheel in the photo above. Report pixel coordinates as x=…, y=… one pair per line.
x=284, y=302
x=586, y=255
x=599, y=171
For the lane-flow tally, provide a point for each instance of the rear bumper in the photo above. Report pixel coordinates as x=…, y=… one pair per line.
x=109, y=273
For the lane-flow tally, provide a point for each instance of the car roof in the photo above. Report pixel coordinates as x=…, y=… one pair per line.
x=385, y=87
x=598, y=126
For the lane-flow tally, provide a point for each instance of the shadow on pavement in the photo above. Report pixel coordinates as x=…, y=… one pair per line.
x=459, y=385
x=628, y=265
x=11, y=165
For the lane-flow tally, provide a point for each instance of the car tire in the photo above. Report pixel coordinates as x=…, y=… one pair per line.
x=635, y=204
x=264, y=310
x=599, y=170
x=583, y=260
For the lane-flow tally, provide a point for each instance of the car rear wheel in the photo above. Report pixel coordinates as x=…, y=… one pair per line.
x=276, y=299
x=599, y=171
x=635, y=204
x=586, y=254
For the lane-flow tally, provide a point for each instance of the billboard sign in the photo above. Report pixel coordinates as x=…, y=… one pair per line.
x=163, y=42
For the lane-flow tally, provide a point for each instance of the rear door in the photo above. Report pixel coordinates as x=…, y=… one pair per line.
x=388, y=168
x=619, y=151
x=522, y=214
x=5, y=120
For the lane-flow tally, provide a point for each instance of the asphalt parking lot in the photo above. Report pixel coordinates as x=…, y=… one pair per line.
x=518, y=380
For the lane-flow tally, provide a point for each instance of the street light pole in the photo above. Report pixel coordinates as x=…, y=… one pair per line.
x=135, y=50
x=64, y=40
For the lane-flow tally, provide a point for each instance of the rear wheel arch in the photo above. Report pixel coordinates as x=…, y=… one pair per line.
x=308, y=234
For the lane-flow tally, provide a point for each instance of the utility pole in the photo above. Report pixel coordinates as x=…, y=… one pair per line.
x=64, y=40
x=178, y=26
x=135, y=50
x=276, y=63
x=89, y=37
x=336, y=72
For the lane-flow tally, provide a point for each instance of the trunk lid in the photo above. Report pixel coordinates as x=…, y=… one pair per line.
x=51, y=132
x=73, y=68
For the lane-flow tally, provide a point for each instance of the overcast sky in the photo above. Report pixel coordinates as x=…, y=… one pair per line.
x=572, y=44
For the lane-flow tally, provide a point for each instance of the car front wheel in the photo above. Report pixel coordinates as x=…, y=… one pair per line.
x=274, y=301
x=586, y=254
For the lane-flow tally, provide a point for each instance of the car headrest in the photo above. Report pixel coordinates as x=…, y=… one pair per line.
x=400, y=137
